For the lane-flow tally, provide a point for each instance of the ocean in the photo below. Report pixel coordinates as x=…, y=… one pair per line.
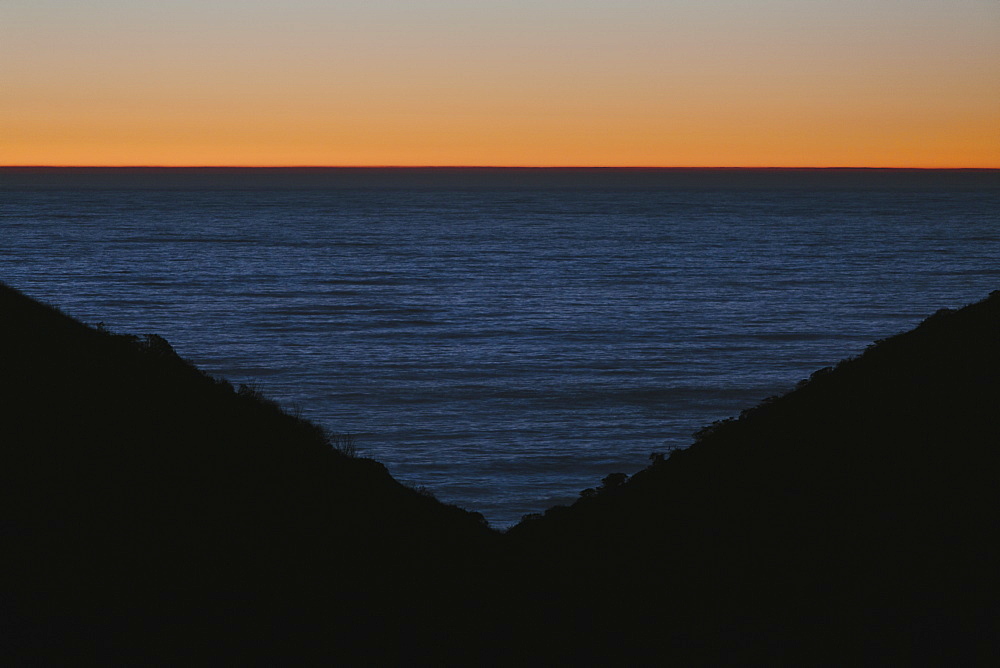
x=506, y=338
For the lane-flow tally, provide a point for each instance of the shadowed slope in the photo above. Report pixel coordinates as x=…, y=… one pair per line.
x=855, y=517
x=151, y=513
x=139, y=494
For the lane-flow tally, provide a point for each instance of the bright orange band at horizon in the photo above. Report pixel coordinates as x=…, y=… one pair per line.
x=740, y=138
x=773, y=83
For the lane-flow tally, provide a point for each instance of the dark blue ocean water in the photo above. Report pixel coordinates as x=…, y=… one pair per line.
x=507, y=344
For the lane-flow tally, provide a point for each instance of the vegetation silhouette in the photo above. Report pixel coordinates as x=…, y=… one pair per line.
x=150, y=513
x=151, y=510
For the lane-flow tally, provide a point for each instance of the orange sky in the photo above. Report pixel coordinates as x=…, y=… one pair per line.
x=891, y=83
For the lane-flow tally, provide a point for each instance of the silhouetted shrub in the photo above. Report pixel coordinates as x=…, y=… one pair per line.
x=345, y=444
x=713, y=428
x=819, y=373
x=250, y=390
x=422, y=491
x=938, y=315
x=157, y=345
x=656, y=458
x=612, y=481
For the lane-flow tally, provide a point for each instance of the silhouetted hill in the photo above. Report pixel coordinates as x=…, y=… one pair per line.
x=146, y=502
x=152, y=514
x=853, y=520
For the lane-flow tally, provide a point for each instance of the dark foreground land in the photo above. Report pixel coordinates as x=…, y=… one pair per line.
x=151, y=514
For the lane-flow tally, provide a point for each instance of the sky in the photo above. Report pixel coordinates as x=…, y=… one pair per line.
x=655, y=83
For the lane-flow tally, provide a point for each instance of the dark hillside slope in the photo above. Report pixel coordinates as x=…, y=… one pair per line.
x=852, y=520
x=152, y=514
x=143, y=502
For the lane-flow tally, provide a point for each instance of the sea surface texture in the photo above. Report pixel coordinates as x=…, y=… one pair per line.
x=506, y=339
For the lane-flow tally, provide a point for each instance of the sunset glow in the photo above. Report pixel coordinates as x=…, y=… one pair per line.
x=446, y=82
